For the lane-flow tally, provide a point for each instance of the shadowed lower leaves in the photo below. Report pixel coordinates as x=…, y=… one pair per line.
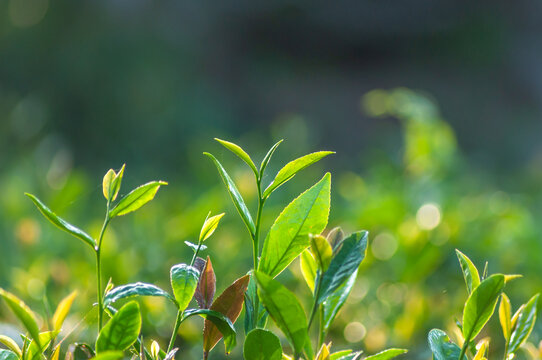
x=441, y=346
x=262, y=344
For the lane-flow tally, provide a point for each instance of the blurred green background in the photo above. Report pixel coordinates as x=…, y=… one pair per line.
x=456, y=162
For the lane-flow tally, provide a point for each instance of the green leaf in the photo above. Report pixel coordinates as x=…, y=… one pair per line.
x=195, y=246
x=23, y=313
x=339, y=354
x=209, y=227
x=8, y=355
x=230, y=304
x=441, y=346
x=184, y=281
x=62, y=311
x=267, y=157
x=235, y=195
x=11, y=345
x=205, y=291
x=262, y=344
x=80, y=351
x=35, y=351
x=292, y=168
x=505, y=318
x=288, y=236
x=343, y=264
x=470, y=273
x=136, y=198
x=135, y=289
x=285, y=310
x=353, y=356
x=237, y=150
x=111, y=183
x=122, y=330
x=321, y=250
x=336, y=300
x=308, y=268
x=62, y=224
x=524, y=325
x=387, y=354
x=481, y=304
x=219, y=320
x=109, y=355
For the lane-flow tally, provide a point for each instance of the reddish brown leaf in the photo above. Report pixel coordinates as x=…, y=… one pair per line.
x=205, y=291
x=229, y=303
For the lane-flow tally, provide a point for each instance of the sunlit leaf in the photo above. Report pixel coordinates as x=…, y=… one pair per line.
x=111, y=183
x=184, y=281
x=229, y=303
x=206, y=288
x=35, y=350
x=221, y=322
x=235, y=195
x=209, y=227
x=387, y=354
x=321, y=250
x=135, y=289
x=524, y=325
x=505, y=311
x=470, y=273
x=267, y=157
x=62, y=224
x=62, y=310
x=237, y=150
x=288, y=236
x=56, y=353
x=339, y=354
x=343, y=264
x=23, y=313
x=441, y=346
x=262, y=344
x=136, y=198
x=122, y=330
x=352, y=356
x=481, y=304
x=336, y=300
x=109, y=355
x=308, y=268
x=323, y=353
x=482, y=348
x=292, y=168
x=11, y=345
x=285, y=310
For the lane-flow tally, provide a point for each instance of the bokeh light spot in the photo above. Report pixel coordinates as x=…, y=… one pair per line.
x=428, y=216
x=354, y=332
x=384, y=246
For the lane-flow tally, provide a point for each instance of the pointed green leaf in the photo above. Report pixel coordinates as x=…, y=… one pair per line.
x=8, y=355
x=237, y=150
x=505, y=311
x=23, y=313
x=62, y=311
x=184, y=281
x=219, y=320
x=441, y=346
x=11, y=345
x=109, y=355
x=267, y=157
x=352, y=356
x=343, y=264
x=284, y=309
x=135, y=289
x=321, y=250
x=524, y=325
x=35, y=351
x=235, y=195
x=111, y=183
x=205, y=291
x=60, y=223
x=288, y=236
x=387, y=354
x=470, y=273
x=292, y=168
x=481, y=304
x=230, y=304
x=136, y=198
x=262, y=344
x=122, y=330
x=336, y=300
x=338, y=354
x=308, y=268
x=209, y=227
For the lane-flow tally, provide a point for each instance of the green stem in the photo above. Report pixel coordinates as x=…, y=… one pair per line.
x=256, y=248
x=175, y=330
x=464, y=348
x=315, y=303
x=195, y=254
x=321, y=332
x=506, y=350
x=98, y=250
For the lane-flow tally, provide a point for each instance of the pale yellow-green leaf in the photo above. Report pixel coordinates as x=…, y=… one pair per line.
x=11, y=345
x=321, y=249
x=308, y=268
x=209, y=227
x=62, y=310
x=505, y=316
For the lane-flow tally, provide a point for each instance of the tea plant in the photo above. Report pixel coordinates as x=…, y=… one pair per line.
x=484, y=293
x=329, y=267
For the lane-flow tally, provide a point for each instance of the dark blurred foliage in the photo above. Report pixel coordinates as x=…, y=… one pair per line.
x=89, y=85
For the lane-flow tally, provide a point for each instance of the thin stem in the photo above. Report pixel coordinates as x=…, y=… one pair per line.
x=506, y=350
x=256, y=247
x=195, y=254
x=464, y=348
x=321, y=332
x=98, y=250
x=315, y=303
x=175, y=330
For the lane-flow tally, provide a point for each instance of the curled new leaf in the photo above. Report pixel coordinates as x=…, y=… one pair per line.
x=111, y=183
x=205, y=291
x=321, y=250
x=136, y=289
x=288, y=236
x=235, y=195
x=505, y=311
x=267, y=157
x=470, y=273
x=62, y=224
x=184, y=280
x=122, y=330
x=62, y=311
x=23, y=313
x=237, y=150
x=229, y=303
x=136, y=198
x=308, y=268
x=292, y=168
x=209, y=227
x=284, y=309
x=262, y=344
